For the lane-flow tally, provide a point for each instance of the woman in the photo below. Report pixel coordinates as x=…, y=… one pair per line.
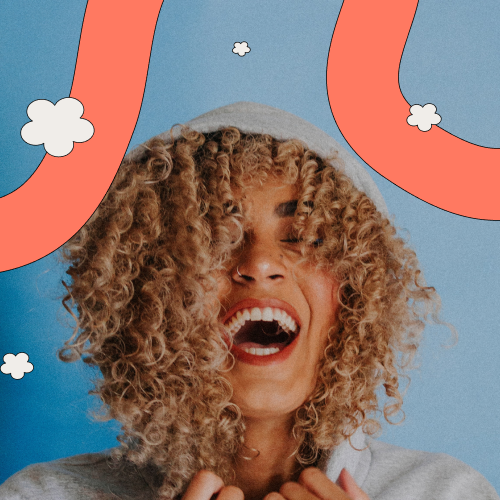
x=244, y=295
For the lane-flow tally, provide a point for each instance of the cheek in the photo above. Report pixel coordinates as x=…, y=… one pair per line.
x=223, y=285
x=322, y=291
x=324, y=307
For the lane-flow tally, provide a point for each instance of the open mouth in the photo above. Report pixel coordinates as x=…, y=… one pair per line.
x=262, y=331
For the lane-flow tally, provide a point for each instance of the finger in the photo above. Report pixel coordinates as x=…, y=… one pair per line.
x=203, y=485
x=296, y=491
x=349, y=485
x=230, y=493
x=320, y=485
x=274, y=495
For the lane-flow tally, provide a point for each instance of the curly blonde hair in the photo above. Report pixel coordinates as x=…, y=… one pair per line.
x=142, y=278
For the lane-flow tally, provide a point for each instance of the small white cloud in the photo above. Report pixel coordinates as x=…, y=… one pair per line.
x=241, y=48
x=56, y=126
x=17, y=366
x=424, y=117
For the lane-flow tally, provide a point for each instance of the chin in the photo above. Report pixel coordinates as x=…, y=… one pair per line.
x=268, y=412
x=267, y=400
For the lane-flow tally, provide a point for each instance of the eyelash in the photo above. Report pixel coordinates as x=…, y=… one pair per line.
x=292, y=241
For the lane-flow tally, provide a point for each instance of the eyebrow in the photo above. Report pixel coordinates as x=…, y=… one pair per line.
x=286, y=209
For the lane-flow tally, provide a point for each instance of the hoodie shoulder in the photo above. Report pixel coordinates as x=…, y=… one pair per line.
x=92, y=476
x=397, y=473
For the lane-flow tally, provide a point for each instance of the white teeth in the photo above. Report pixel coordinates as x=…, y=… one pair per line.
x=277, y=313
x=255, y=314
x=262, y=352
x=267, y=314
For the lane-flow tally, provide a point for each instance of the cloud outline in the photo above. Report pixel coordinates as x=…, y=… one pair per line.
x=17, y=365
x=423, y=117
x=240, y=47
x=57, y=126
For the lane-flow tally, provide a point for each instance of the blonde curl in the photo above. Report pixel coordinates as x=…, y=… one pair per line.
x=142, y=280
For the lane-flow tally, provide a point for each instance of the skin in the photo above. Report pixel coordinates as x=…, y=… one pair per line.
x=265, y=393
x=311, y=485
x=269, y=395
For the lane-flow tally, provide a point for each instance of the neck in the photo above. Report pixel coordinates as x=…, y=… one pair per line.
x=270, y=444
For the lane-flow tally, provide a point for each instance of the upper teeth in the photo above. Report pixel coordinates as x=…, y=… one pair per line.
x=257, y=314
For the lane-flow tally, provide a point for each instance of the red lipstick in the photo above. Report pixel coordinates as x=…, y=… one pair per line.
x=270, y=359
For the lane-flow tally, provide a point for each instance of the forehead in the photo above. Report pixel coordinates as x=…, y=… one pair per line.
x=273, y=198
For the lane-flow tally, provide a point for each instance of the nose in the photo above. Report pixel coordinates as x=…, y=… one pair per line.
x=261, y=263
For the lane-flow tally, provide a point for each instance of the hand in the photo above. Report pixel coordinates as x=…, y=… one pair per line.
x=347, y=483
x=314, y=485
x=206, y=484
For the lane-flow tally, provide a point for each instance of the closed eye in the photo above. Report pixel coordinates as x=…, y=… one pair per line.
x=318, y=242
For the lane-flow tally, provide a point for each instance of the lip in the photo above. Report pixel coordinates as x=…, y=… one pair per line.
x=271, y=359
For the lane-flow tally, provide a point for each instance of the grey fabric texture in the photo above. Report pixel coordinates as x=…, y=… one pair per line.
x=383, y=471
x=254, y=118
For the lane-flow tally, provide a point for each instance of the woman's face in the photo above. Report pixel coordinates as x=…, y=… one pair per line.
x=277, y=318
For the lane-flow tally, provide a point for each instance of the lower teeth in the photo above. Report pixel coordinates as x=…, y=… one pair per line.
x=261, y=352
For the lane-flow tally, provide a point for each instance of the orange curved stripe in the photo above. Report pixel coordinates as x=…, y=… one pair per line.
x=371, y=112
x=110, y=77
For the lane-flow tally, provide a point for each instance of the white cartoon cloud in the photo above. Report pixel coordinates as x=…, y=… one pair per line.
x=16, y=365
x=241, y=48
x=424, y=117
x=57, y=126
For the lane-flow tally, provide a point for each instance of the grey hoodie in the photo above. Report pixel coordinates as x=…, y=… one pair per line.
x=383, y=471
x=254, y=118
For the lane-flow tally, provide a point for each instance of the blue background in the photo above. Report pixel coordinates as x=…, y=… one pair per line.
x=451, y=59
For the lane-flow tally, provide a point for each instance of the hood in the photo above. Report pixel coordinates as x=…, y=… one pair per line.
x=250, y=117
